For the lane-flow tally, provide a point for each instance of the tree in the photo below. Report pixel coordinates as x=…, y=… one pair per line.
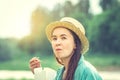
x=36, y=41
x=68, y=8
x=104, y=30
x=109, y=4
x=57, y=12
x=8, y=49
x=83, y=6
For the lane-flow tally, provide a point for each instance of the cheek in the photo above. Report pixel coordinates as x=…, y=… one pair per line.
x=70, y=47
x=53, y=45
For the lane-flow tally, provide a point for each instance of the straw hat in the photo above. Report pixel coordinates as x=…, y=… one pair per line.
x=73, y=25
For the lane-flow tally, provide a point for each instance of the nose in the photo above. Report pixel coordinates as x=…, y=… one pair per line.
x=58, y=42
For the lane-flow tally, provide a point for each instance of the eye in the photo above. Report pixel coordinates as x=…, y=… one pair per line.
x=63, y=38
x=54, y=38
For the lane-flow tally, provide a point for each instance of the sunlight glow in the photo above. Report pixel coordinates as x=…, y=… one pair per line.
x=15, y=16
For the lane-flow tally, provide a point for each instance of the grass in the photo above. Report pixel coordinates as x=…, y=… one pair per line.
x=102, y=62
x=16, y=79
x=22, y=63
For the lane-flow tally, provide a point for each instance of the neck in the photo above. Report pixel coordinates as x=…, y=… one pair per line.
x=66, y=63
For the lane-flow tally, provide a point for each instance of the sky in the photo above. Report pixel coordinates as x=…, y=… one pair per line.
x=15, y=15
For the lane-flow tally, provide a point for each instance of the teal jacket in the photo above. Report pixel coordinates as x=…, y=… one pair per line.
x=84, y=71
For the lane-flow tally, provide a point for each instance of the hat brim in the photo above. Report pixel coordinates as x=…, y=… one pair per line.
x=82, y=37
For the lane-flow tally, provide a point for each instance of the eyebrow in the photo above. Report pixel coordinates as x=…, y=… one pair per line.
x=60, y=35
x=63, y=35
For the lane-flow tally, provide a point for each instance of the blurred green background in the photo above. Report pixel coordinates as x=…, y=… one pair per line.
x=102, y=31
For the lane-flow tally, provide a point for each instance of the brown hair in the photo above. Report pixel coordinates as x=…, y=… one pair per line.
x=74, y=59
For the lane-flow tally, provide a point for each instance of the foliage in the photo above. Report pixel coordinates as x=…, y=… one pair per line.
x=4, y=50
x=106, y=23
x=8, y=49
x=103, y=61
x=37, y=40
x=83, y=6
x=109, y=4
x=22, y=62
x=103, y=31
x=99, y=60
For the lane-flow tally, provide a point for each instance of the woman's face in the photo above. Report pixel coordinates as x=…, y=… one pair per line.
x=62, y=43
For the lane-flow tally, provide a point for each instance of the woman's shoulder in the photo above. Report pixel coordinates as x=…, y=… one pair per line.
x=89, y=66
x=91, y=72
x=87, y=70
x=59, y=73
x=60, y=69
x=85, y=65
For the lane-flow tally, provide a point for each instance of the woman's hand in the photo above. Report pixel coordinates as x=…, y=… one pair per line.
x=34, y=63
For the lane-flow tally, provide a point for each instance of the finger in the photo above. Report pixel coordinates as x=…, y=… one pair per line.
x=35, y=63
x=34, y=60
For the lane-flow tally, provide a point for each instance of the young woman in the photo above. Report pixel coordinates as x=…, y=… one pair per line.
x=69, y=43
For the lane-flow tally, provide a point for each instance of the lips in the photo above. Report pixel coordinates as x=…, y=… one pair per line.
x=58, y=49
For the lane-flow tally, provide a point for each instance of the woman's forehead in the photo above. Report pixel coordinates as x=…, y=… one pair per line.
x=61, y=30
